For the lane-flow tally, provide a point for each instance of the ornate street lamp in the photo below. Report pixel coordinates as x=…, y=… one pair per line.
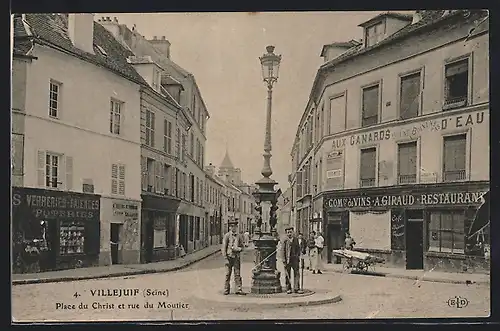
x=265, y=276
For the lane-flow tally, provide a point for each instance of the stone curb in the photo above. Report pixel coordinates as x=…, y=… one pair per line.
x=264, y=305
x=424, y=279
x=112, y=275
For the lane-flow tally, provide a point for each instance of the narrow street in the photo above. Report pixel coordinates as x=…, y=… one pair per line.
x=362, y=297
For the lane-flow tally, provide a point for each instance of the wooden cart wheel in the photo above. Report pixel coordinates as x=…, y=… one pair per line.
x=347, y=264
x=362, y=266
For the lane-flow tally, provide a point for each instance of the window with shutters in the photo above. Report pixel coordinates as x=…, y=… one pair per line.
x=368, y=167
x=446, y=232
x=198, y=151
x=197, y=190
x=407, y=163
x=198, y=228
x=167, y=136
x=184, y=188
x=150, y=128
x=54, y=98
x=115, y=116
x=299, y=184
x=191, y=145
x=150, y=173
x=191, y=188
x=306, y=179
x=454, y=158
x=374, y=33
x=409, y=99
x=118, y=179
x=337, y=114
x=158, y=183
x=52, y=169
x=456, y=84
x=183, y=150
x=370, y=106
x=202, y=156
x=178, y=143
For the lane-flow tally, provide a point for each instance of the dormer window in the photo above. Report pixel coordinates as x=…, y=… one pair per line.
x=156, y=80
x=374, y=33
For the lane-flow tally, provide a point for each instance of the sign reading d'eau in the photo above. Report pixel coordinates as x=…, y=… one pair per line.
x=412, y=130
x=423, y=199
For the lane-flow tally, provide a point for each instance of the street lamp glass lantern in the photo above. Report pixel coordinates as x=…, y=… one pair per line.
x=270, y=63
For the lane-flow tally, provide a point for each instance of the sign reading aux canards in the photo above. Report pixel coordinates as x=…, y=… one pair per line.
x=412, y=130
x=444, y=198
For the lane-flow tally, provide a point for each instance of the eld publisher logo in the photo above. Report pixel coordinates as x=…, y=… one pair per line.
x=458, y=302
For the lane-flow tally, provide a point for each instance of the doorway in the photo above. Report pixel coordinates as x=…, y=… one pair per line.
x=115, y=242
x=415, y=241
x=183, y=232
x=334, y=242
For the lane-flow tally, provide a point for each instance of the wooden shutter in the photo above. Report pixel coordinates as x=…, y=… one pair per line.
x=114, y=179
x=41, y=168
x=144, y=173
x=121, y=180
x=69, y=172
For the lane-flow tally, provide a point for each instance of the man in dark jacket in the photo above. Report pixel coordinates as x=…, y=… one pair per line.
x=291, y=252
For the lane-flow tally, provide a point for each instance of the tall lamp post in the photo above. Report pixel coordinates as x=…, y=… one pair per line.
x=265, y=276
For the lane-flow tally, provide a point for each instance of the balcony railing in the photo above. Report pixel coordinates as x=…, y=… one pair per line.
x=455, y=102
x=453, y=175
x=407, y=179
x=367, y=182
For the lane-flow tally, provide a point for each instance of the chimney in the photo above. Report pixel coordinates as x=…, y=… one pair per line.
x=81, y=31
x=161, y=45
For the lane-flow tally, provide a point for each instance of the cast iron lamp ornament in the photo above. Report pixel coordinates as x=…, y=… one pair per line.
x=270, y=63
x=265, y=276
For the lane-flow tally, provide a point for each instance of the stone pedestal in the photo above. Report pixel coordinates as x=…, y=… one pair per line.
x=265, y=276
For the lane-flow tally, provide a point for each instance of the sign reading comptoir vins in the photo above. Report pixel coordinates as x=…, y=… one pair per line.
x=447, y=198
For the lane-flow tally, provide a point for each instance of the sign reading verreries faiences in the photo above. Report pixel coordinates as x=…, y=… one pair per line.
x=47, y=204
x=445, y=198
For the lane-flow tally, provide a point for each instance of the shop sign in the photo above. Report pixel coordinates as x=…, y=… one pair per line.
x=46, y=204
x=423, y=199
x=410, y=130
x=125, y=210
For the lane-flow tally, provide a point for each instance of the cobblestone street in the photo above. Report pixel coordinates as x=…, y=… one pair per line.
x=362, y=297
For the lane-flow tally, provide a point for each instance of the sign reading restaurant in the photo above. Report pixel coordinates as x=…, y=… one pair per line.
x=450, y=198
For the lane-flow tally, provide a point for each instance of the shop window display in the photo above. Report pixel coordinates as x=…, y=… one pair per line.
x=72, y=238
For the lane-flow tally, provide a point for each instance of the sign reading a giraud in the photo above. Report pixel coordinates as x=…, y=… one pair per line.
x=420, y=199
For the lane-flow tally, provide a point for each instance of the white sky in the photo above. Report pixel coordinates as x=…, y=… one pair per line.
x=221, y=50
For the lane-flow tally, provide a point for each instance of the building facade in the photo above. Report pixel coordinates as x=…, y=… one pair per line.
x=75, y=164
x=214, y=206
x=188, y=135
x=392, y=145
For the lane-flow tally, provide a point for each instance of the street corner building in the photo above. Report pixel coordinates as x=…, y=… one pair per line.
x=393, y=145
x=75, y=133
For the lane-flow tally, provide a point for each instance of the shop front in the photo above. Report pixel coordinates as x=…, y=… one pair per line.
x=422, y=226
x=120, y=231
x=158, y=227
x=54, y=230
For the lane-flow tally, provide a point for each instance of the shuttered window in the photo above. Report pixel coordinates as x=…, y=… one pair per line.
x=409, y=104
x=150, y=128
x=454, y=157
x=167, y=136
x=54, y=170
x=118, y=179
x=371, y=103
x=407, y=163
x=299, y=184
x=368, y=167
x=178, y=143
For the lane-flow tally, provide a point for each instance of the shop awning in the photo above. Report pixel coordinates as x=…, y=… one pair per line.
x=482, y=218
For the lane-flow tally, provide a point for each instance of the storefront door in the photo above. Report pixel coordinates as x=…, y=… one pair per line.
x=115, y=243
x=183, y=232
x=334, y=241
x=414, y=244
